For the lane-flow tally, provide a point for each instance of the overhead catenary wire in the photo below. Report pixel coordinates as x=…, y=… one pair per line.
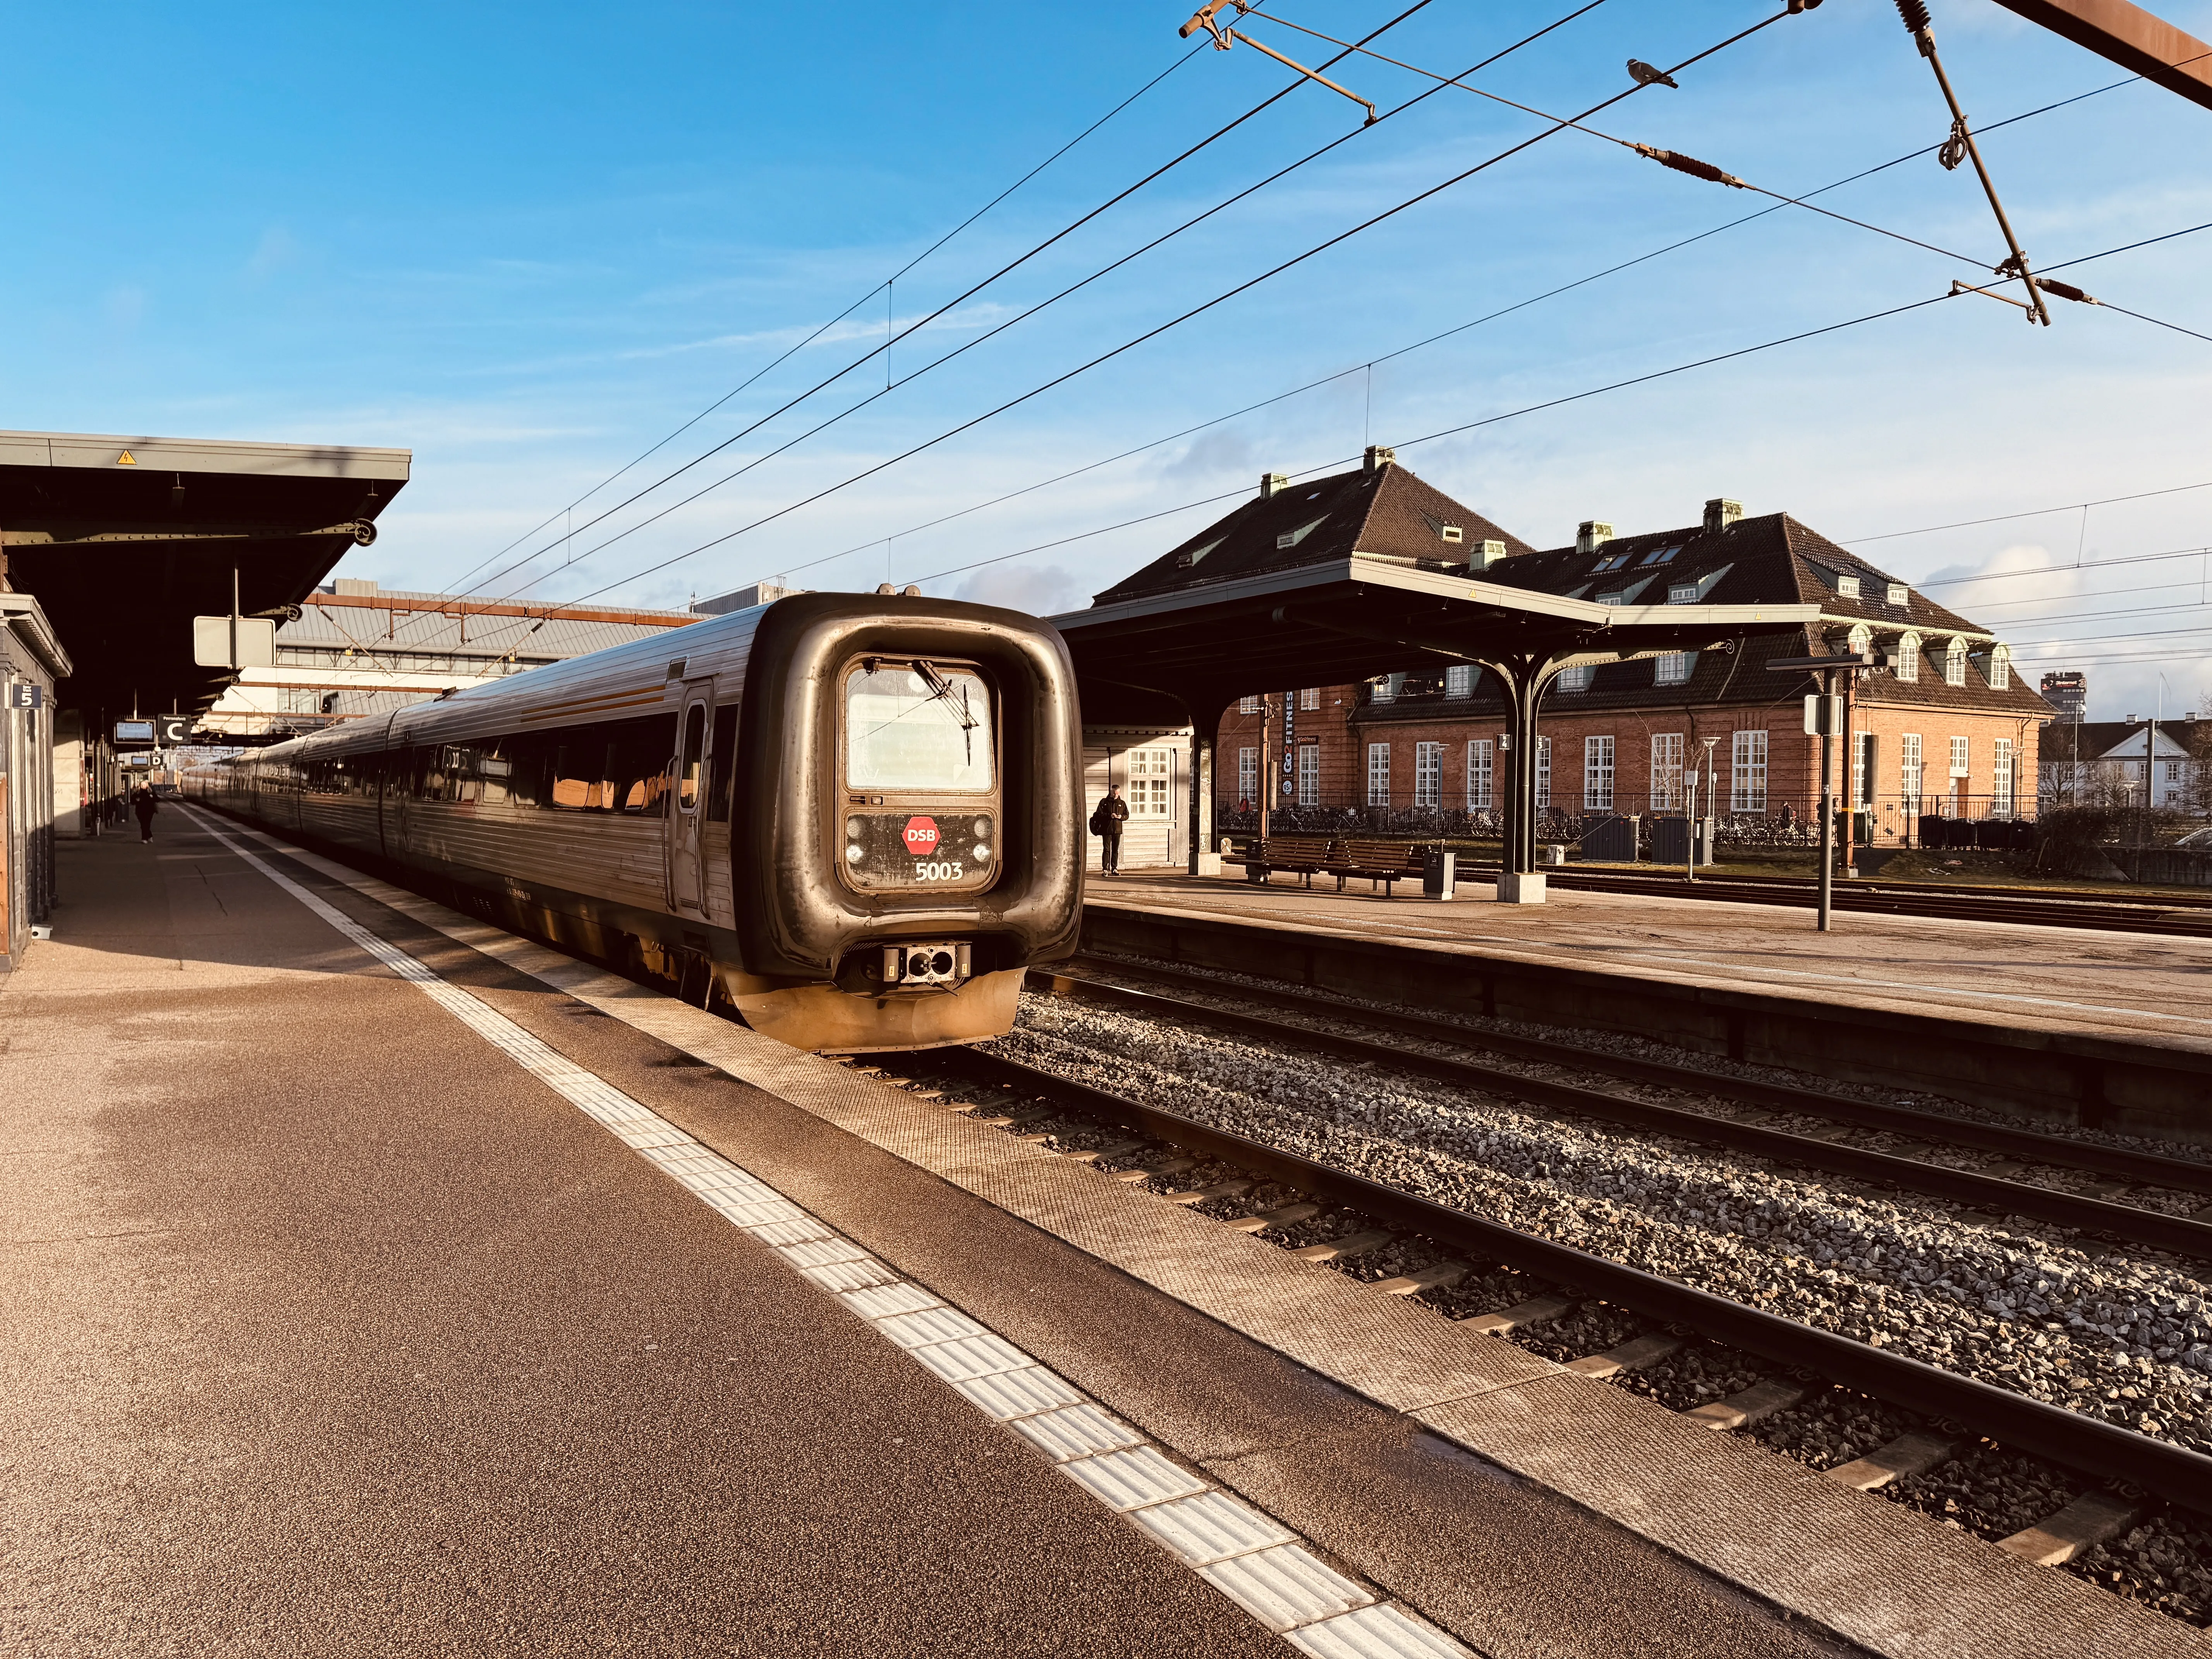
x=1461, y=328
x=1050, y=300
x=964, y=296
x=1174, y=322
x=792, y=351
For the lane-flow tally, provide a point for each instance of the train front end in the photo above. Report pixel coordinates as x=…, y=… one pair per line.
x=905, y=835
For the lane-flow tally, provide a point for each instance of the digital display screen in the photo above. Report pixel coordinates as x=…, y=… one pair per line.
x=134, y=731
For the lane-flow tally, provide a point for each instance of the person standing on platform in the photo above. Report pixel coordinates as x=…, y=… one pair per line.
x=145, y=806
x=1106, y=822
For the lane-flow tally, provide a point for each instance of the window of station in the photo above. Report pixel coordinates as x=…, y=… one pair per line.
x=1747, y=774
x=1543, y=772
x=1672, y=667
x=1597, y=774
x=1479, y=775
x=1247, y=775
x=1428, y=775
x=1309, y=774
x=1666, y=794
x=1310, y=700
x=1459, y=679
x=1151, y=782
x=1378, y=774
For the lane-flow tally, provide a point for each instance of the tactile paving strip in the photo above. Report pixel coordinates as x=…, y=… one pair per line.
x=1265, y=1570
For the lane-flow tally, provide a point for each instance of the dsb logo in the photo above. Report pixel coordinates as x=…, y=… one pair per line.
x=921, y=835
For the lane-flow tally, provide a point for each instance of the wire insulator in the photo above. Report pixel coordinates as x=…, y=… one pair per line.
x=2064, y=291
x=1693, y=166
x=1915, y=14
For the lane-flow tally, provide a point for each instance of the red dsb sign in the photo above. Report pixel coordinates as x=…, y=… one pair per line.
x=921, y=835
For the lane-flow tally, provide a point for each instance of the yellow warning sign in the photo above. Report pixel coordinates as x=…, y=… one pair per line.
x=126, y=458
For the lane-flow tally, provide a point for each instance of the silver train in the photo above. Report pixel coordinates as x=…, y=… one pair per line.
x=855, y=819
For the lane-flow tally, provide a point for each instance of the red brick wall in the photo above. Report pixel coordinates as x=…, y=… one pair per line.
x=1343, y=728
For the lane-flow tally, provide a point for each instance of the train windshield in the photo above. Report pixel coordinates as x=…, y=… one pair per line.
x=917, y=726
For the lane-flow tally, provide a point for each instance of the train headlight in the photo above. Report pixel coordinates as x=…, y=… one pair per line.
x=853, y=829
x=982, y=853
x=854, y=855
x=982, y=832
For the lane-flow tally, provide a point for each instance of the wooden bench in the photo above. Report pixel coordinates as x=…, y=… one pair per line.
x=1382, y=862
x=1298, y=855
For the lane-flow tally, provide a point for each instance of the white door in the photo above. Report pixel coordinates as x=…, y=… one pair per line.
x=693, y=737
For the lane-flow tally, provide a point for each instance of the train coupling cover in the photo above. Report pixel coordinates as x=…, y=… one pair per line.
x=945, y=964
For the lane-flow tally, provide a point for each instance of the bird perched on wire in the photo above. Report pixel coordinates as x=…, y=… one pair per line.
x=1645, y=75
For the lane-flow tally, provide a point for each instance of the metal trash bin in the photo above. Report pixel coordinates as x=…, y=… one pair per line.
x=1611, y=841
x=1670, y=840
x=1439, y=872
x=1553, y=852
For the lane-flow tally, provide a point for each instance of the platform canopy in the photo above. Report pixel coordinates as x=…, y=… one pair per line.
x=124, y=540
x=1343, y=579
x=1182, y=658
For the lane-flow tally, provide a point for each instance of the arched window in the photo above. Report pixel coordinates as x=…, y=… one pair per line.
x=1860, y=640
x=2000, y=668
x=1908, y=658
x=1954, y=662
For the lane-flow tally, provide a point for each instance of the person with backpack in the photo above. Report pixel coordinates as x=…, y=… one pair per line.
x=144, y=804
x=1106, y=821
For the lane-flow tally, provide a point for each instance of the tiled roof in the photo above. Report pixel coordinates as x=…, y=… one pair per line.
x=1387, y=512
x=2100, y=739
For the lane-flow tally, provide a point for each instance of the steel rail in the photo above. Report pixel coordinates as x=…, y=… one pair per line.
x=2105, y=1451
x=2181, y=917
x=2146, y=1168
x=2163, y=1232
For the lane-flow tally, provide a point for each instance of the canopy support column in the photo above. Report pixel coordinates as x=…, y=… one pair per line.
x=1204, y=860
x=1523, y=680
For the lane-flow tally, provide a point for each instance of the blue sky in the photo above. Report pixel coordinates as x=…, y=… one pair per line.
x=528, y=242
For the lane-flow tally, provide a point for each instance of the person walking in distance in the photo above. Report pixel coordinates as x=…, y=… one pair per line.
x=1106, y=821
x=145, y=806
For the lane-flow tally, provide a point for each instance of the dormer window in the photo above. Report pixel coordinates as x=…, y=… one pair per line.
x=1954, y=662
x=1452, y=533
x=1682, y=593
x=2000, y=668
x=1576, y=679
x=1292, y=538
x=1907, y=666
x=1847, y=588
x=1614, y=598
x=1185, y=560
x=1861, y=641
x=1899, y=593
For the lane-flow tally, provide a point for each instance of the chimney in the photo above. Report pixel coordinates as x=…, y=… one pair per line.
x=1721, y=513
x=1272, y=484
x=1591, y=534
x=1378, y=456
x=358, y=586
x=1483, y=555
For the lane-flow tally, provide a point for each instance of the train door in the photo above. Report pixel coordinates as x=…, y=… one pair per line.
x=686, y=823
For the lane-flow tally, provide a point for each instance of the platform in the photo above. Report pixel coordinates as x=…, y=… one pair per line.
x=337, y=1327
x=342, y=1322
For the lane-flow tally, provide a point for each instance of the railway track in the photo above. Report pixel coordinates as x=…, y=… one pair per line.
x=1130, y=1141
x=1899, y=1167
x=2169, y=914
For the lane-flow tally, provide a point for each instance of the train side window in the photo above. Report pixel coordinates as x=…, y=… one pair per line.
x=691, y=759
x=721, y=764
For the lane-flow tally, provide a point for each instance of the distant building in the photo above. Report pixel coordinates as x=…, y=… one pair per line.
x=358, y=650
x=2067, y=691
x=2103, y=764
x=1947, y=730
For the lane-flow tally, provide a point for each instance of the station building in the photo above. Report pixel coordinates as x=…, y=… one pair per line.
x=1948, y=729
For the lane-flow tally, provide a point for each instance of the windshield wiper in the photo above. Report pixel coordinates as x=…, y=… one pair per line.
x=941, y=687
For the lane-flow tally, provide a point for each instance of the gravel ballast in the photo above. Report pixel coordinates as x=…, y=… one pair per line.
x=2128, y=1340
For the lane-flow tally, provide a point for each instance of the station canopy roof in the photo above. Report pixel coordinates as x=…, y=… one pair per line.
x=124, y=540
x=1341, y=579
